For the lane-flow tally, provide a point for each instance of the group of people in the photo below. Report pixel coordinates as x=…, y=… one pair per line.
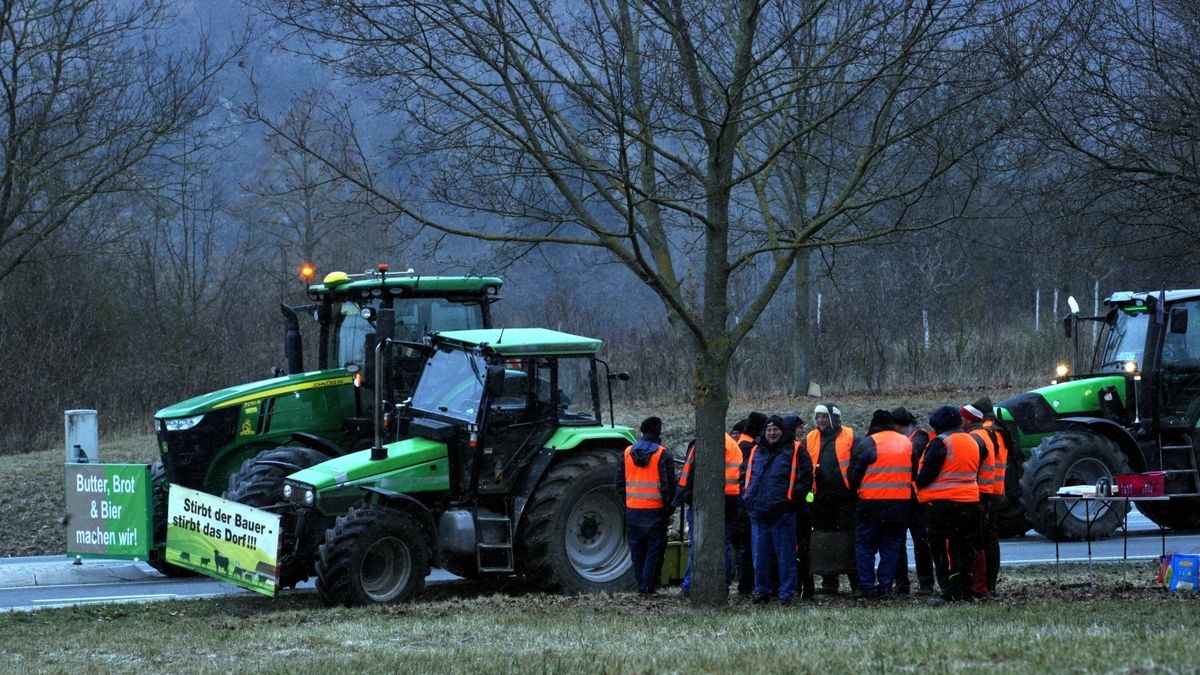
x=786, y=488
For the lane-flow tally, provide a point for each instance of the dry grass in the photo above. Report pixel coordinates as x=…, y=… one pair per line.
x=1113, y=620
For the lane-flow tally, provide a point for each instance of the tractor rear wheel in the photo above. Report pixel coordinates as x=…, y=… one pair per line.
x=573, y=532
x=259, y=483
x=1177, y=514
x=1071, y=458
x=1008, y=513
x=372, y=555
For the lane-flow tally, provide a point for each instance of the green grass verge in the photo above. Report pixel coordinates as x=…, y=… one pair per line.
x=1072, y=618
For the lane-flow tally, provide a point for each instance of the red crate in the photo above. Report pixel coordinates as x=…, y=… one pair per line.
x=1149, y=484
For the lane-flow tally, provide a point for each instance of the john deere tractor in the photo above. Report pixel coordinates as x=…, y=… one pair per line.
x=505, y=468
x=1138, y=409
x=244, y=440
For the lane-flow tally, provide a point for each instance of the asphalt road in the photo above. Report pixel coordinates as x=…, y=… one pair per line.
x=55, y=581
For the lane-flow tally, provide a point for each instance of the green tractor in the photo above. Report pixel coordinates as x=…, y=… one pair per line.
x=505, y=468
x=1137, y=410
x=244, y=440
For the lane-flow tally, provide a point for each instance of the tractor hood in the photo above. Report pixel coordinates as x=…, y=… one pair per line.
x=358, y=467
x=1036, y=412
x=251, y=391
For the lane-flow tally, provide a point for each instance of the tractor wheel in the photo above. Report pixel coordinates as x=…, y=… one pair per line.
x=1177, y=514
x=1070, y=458
x=1008, y=513
x=573, y=533
x=158, y=513
x=373, y=554
x=259, y=483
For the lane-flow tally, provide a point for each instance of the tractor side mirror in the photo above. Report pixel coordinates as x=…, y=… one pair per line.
x=1179, y=320
x=493, y=387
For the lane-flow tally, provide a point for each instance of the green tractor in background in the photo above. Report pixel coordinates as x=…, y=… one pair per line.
x=1137, y=410
x=244, y=440
x=505, y=468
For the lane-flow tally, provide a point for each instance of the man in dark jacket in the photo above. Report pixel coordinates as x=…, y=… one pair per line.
x=829, y=447
x=881, y=472
x=646, y=481
x=776, y=479
x=743, y=549
x=906, y=424
x=947, y=485
x=803, y=520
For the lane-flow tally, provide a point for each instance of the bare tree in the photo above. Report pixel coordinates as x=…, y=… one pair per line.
x=89, y=94
x=1127, y=121
x=666, y=133
x=306, y=211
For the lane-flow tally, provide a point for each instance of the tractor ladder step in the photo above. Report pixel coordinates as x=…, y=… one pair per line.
x=494, y=556
x=1193, y=471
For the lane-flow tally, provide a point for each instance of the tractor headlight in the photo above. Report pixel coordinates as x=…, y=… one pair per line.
x=1062, y=370
x=1131, y=366
x=287, y=492
x=182, y=423
x=308, y=497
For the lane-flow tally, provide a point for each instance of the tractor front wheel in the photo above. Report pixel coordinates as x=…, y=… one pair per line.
x=372, y=555
x=1071, y=458
x=259, y=483
x=159, y=486
x=573, y=533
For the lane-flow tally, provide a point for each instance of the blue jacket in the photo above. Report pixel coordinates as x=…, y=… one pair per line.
x=767, y=490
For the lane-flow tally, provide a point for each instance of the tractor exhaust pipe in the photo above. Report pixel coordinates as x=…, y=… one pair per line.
x=293, y=351
x=379, y=452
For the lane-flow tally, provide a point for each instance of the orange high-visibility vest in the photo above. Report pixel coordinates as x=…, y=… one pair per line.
x=890, y=475
x=987, y=470
x=643, y=489
x=841, y=446
x=957, y=480
x=791, y=476
x=733, y=466
x=999, y=461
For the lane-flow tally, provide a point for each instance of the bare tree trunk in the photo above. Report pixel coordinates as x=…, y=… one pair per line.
x=708, y=496
x=802, y=335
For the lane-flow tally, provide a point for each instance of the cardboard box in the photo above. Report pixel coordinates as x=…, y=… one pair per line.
x=1180, y=571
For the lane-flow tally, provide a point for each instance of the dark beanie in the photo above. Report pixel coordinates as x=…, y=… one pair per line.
x=755, y=424
x=739, y=426
x=902, y=417
x=984, y=405
x=880, y=420
x=651, y=426
x=945, y=417
x=775, y=421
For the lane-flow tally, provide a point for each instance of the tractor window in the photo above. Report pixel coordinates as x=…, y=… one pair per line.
x=451, y=384
x=351, y=331
x=1125, y=341
x=1180, y=374
x=576, y=404
x=414, y=318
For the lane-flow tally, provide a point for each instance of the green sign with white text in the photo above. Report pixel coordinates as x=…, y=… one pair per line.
x=108, y=510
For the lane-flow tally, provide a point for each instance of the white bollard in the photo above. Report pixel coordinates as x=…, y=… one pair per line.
x=83, y=435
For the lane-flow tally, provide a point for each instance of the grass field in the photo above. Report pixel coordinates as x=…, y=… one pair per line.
x=1109, y=618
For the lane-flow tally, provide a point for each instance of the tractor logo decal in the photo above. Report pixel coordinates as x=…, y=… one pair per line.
x=284, y=390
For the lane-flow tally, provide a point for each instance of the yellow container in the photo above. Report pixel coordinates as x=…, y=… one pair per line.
x=674, y=563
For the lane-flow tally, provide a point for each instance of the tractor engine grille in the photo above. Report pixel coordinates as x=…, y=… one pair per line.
x=190, y=452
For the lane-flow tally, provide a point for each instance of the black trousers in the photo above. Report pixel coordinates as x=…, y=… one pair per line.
x=922, y=555
x=954, y=538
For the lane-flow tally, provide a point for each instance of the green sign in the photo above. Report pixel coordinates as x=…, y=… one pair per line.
x=223, y=539
x=108, y=510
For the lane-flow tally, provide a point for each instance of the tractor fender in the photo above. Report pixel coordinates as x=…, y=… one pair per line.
x=532, y=477
x=410, y=505
x=316, y=443
x=1109, y=429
